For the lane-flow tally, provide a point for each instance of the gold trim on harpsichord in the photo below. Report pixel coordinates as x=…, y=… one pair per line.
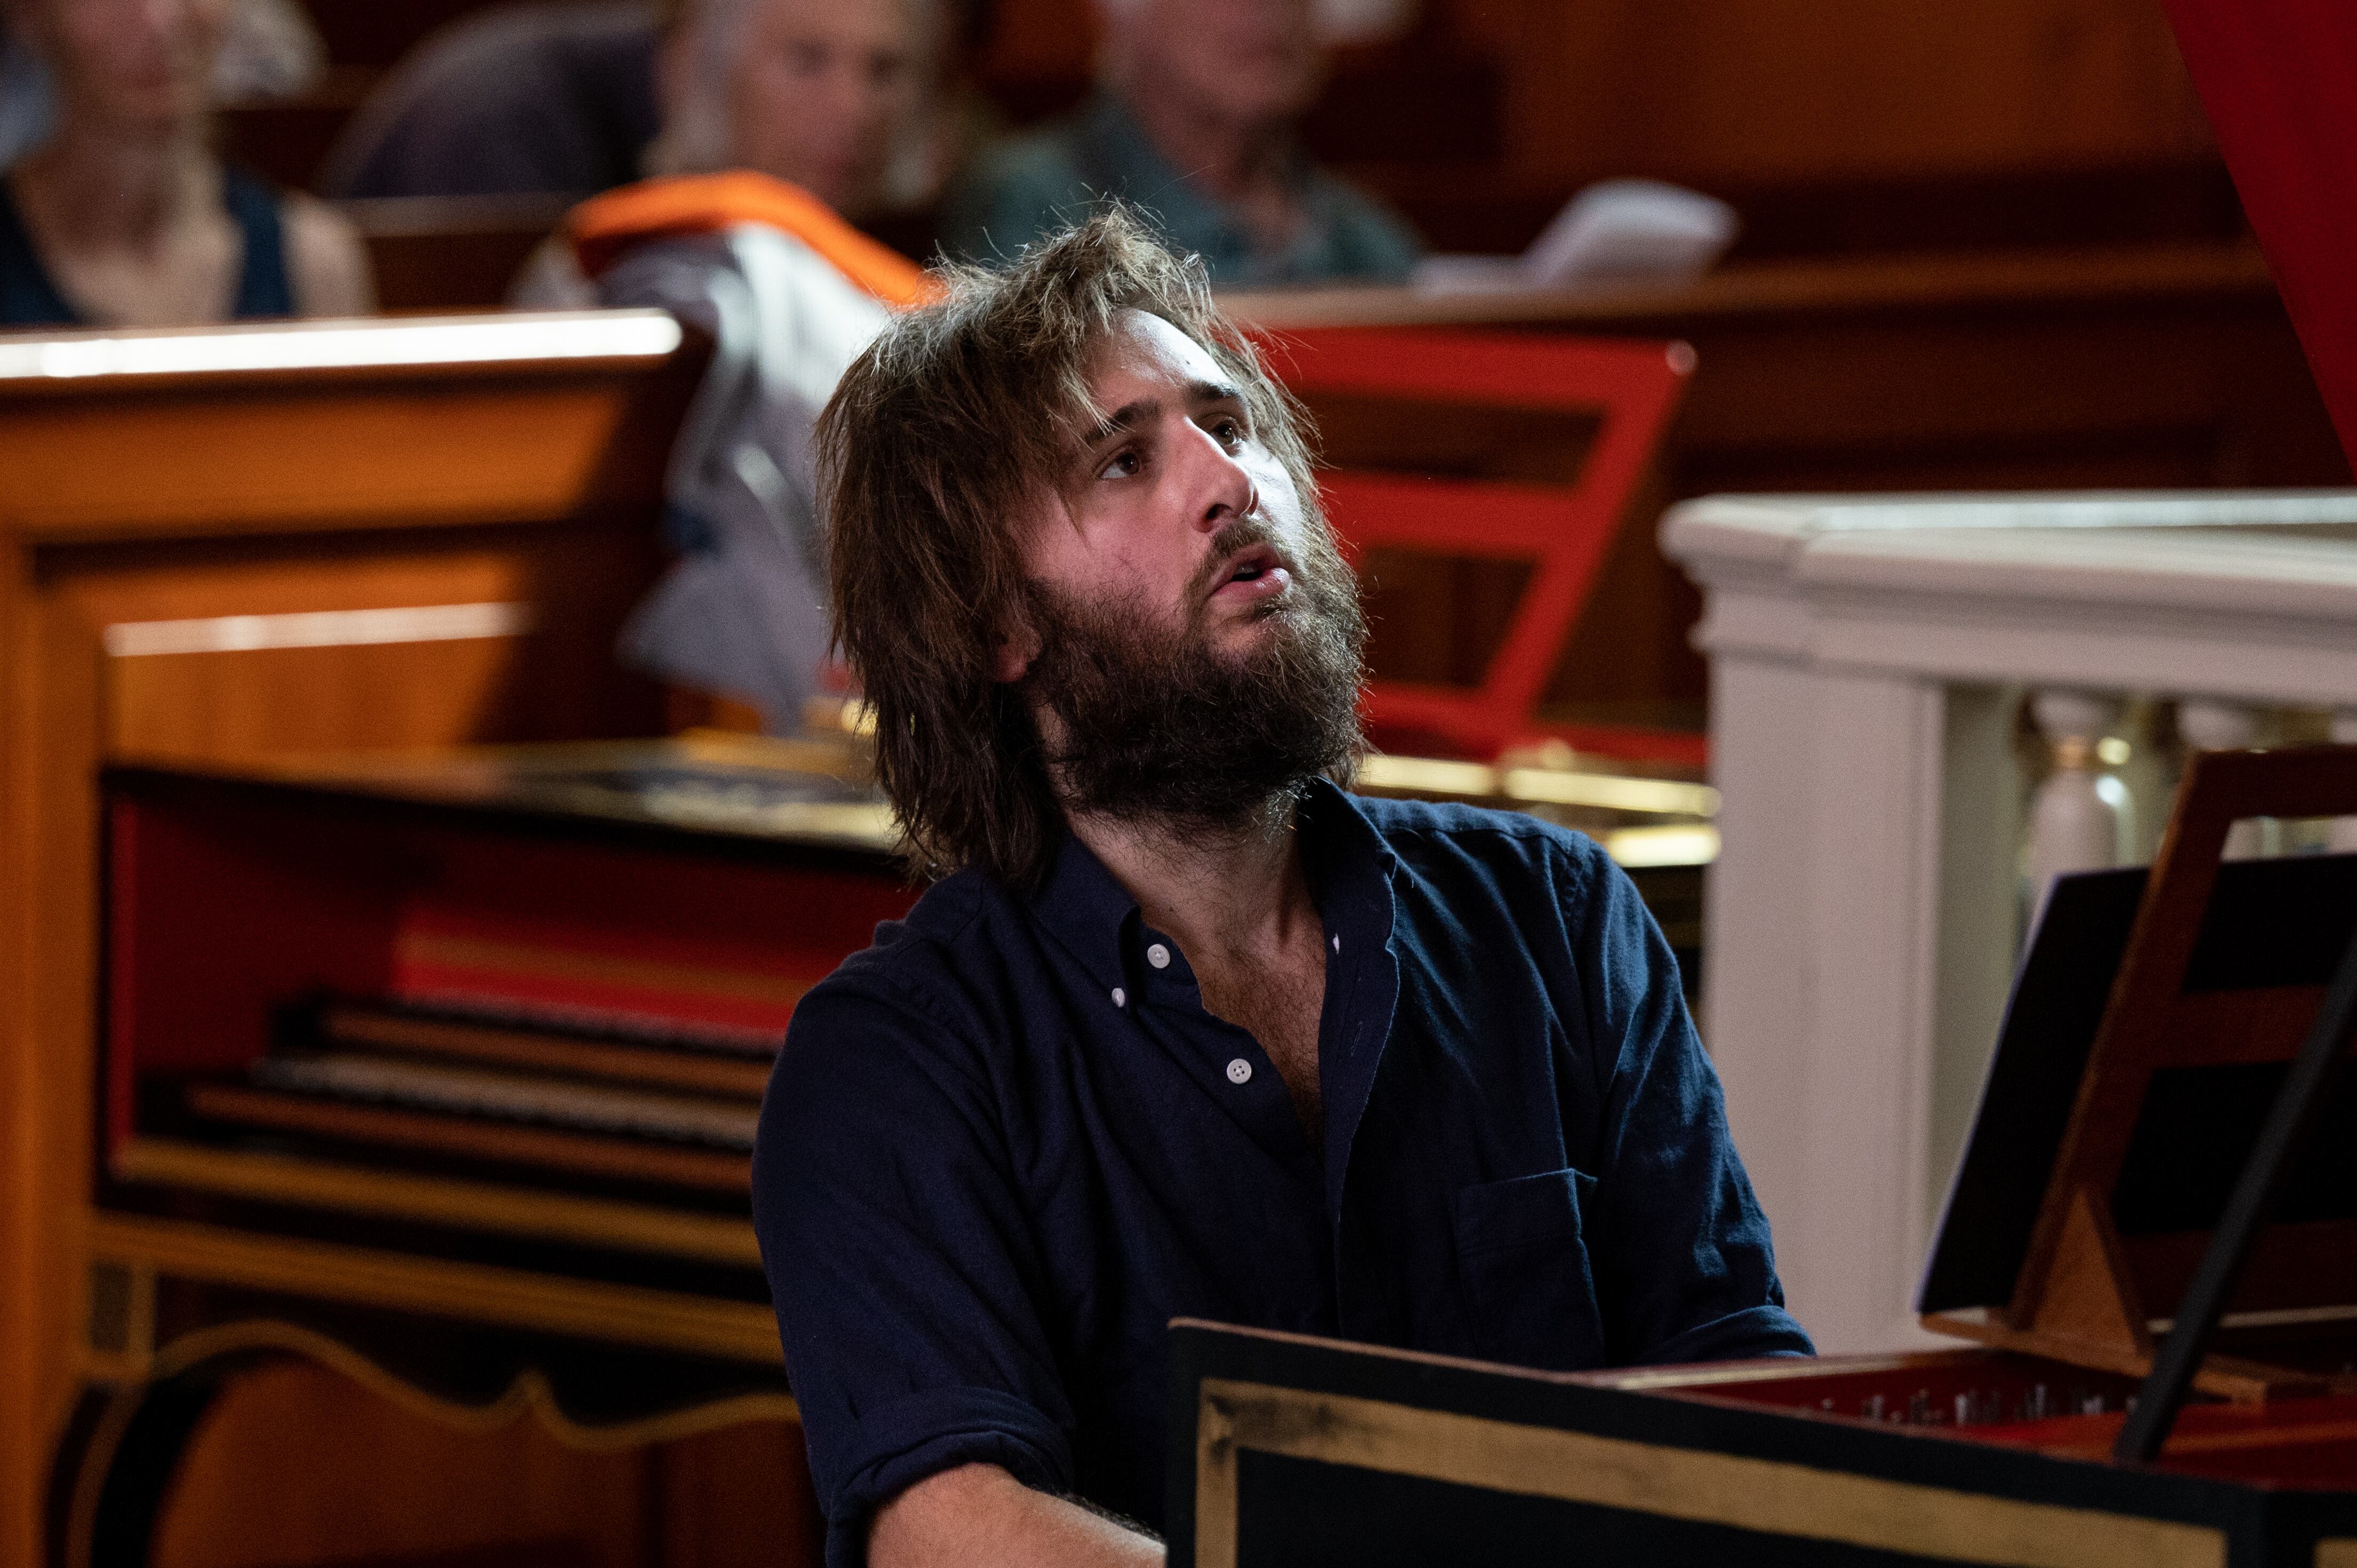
x=1640, y=821
x=629, y=1315
x=1549, y=785
x=444, y=1200
x=1769, y=1496
x=1774, y=1370
x=2337, y=1552
x=529, y=1396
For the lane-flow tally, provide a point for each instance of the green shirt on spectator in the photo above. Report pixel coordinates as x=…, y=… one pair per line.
x=1037, y=183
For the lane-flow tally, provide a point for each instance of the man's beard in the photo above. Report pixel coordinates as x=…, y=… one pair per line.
x=1157, y=725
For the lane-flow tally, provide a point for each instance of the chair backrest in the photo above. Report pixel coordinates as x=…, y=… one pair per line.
x=1632, y=386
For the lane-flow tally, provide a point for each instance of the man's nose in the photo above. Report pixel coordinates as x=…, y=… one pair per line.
x=1222, y=490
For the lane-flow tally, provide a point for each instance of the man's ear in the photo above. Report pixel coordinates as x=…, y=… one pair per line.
x=1011, y=659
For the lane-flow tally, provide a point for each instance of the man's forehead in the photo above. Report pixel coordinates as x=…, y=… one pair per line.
x=1142, y=346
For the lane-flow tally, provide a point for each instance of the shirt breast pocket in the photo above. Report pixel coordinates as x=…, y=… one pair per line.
x=1522, y=1261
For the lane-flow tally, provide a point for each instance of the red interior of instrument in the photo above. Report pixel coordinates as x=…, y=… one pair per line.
x=221, y=907
x=2286, y=1443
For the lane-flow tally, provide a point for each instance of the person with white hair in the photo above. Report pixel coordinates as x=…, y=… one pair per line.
x=580, y=97
x=122, y=214
x=781, y=120
x=1196, y=122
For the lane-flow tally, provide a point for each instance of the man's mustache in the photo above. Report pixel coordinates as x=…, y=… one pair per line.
x=1244, y=533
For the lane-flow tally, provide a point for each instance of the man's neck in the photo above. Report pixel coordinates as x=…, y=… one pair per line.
x=1223, y=892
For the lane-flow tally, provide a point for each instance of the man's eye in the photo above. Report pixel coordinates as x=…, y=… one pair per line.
x=1126, y=465
x=1228, y=434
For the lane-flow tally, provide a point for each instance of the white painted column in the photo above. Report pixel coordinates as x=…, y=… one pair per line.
x=2075, y=823
x=2209, y=724
x=1827, y=1062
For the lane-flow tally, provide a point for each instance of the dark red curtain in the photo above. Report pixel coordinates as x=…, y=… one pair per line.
x=2280, y=80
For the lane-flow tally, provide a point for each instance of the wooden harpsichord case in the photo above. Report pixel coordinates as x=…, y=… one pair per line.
x=233, y=542
x=442, y=1072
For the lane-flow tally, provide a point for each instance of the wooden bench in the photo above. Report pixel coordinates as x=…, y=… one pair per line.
x=451, y=252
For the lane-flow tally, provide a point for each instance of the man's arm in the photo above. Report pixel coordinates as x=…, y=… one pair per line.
x=902, y=1257
x=978, y=1516
x=1685, y=1263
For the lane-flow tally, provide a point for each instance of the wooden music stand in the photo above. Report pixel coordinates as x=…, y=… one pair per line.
x=2083, y=1294
x=1633, y=384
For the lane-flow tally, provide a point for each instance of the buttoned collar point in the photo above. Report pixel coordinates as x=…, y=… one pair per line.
x=1087, y=910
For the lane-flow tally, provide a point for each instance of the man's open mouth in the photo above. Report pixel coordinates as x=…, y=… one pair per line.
x=1249, y=565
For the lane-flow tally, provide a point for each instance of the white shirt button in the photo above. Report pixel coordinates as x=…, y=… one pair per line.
x=1159, y=956
x=1120, y=997
x=1338, y=944
x=1240, y=1071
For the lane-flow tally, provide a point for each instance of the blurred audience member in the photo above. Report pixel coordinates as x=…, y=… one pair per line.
x=820, y=93
x=1197, y=122
x=789, y=295
x=272, y=51
x=780, y=117
x=826, y=95
x=123, y=215
x=546, y=98
x=579, y=98
x=24, y=101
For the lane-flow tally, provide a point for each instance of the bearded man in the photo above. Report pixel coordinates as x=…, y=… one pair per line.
x=1186, y=1029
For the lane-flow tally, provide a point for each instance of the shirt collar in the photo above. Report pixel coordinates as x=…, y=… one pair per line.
x=1088, y=910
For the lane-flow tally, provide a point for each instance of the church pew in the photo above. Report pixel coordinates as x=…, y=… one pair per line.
x=2166, y=365
x=221, y=545
x=451, y=252
x=1491, y=213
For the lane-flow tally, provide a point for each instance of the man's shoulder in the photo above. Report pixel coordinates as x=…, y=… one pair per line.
x=1455, y=857
x=928, y=945
x=921, y=1009
x=1420, y=830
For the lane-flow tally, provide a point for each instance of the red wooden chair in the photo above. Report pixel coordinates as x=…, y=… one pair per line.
x=1633, y=385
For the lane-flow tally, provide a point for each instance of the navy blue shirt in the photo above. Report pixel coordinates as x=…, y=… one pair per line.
x=1007, y=1144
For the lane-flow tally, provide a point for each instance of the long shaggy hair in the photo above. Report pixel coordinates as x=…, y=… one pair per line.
x=957, y=422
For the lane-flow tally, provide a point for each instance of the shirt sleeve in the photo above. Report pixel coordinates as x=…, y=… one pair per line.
x=901, y=1260
x=1685, y=1269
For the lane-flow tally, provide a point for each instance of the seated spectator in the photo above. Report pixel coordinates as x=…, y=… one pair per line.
x=816, y=93
x=1197, y=125
x=573, y=99
x=123, y=215
x=24, y=91
x=556, y=99
x=822, y=94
